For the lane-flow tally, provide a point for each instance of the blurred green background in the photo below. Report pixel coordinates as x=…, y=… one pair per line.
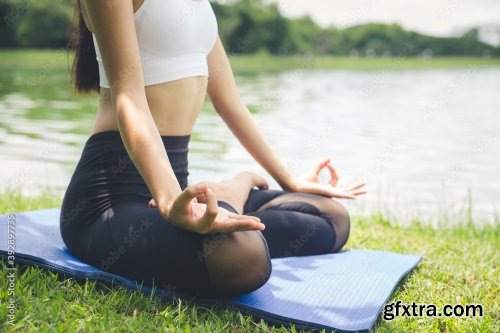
x=251, y=26
x=414, y=114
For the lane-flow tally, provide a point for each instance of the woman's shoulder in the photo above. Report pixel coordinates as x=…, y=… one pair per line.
x=136, y=4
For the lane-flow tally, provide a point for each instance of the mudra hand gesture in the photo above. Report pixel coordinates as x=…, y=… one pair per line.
x=309, y=183
x=204, y=218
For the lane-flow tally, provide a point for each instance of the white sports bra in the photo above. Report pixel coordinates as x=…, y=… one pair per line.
x=174, y=36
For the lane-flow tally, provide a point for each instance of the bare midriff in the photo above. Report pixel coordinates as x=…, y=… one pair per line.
x=174, y=105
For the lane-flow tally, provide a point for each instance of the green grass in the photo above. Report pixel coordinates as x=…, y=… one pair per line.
x=459, y=266
x=253, y=64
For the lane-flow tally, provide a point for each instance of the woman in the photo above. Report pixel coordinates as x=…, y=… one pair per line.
x=128, y=208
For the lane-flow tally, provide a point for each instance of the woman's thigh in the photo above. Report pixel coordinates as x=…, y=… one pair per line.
x=135, y=241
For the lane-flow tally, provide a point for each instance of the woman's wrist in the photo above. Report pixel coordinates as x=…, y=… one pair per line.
x=166, y=202
x=286, y=181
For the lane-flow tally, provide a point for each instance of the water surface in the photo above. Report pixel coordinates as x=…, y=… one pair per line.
x=426, y=141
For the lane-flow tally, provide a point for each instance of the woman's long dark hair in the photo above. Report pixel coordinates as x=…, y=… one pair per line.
x=85, y=70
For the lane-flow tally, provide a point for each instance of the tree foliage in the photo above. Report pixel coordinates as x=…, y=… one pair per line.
x=35, y=23
x=250, y=26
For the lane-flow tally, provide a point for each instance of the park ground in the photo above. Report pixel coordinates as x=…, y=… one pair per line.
x=459, y=266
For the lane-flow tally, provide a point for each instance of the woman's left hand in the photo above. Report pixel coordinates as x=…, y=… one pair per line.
x=309, y=183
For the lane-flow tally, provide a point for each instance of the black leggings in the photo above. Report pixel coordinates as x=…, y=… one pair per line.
x=106, y=222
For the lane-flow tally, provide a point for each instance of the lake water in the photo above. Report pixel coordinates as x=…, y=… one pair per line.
x=426, y=141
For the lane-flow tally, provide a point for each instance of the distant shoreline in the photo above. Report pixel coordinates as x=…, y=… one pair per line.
x=257, y=63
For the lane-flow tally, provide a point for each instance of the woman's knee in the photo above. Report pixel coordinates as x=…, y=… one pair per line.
x=331, y=210
x=335, y=213
x=341, y=222
x=237, y=262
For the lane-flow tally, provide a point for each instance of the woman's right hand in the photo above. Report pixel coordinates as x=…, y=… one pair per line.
x=204, y=218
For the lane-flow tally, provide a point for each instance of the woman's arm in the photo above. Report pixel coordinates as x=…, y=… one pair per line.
x=226, y=100
x=114, y=27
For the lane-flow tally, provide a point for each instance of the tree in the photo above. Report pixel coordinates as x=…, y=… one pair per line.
x=45, y=24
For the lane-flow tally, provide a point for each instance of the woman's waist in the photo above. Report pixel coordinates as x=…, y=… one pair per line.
x=174, y=105
x=105, y=162
x=105, y=150
x=111, y=139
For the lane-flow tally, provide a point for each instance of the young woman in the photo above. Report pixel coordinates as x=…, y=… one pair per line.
x=128, y=208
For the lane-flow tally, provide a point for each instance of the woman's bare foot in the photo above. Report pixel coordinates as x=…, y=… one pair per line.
x=233, y=191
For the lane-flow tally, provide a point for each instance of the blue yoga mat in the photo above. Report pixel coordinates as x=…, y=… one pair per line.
x=343, y=291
